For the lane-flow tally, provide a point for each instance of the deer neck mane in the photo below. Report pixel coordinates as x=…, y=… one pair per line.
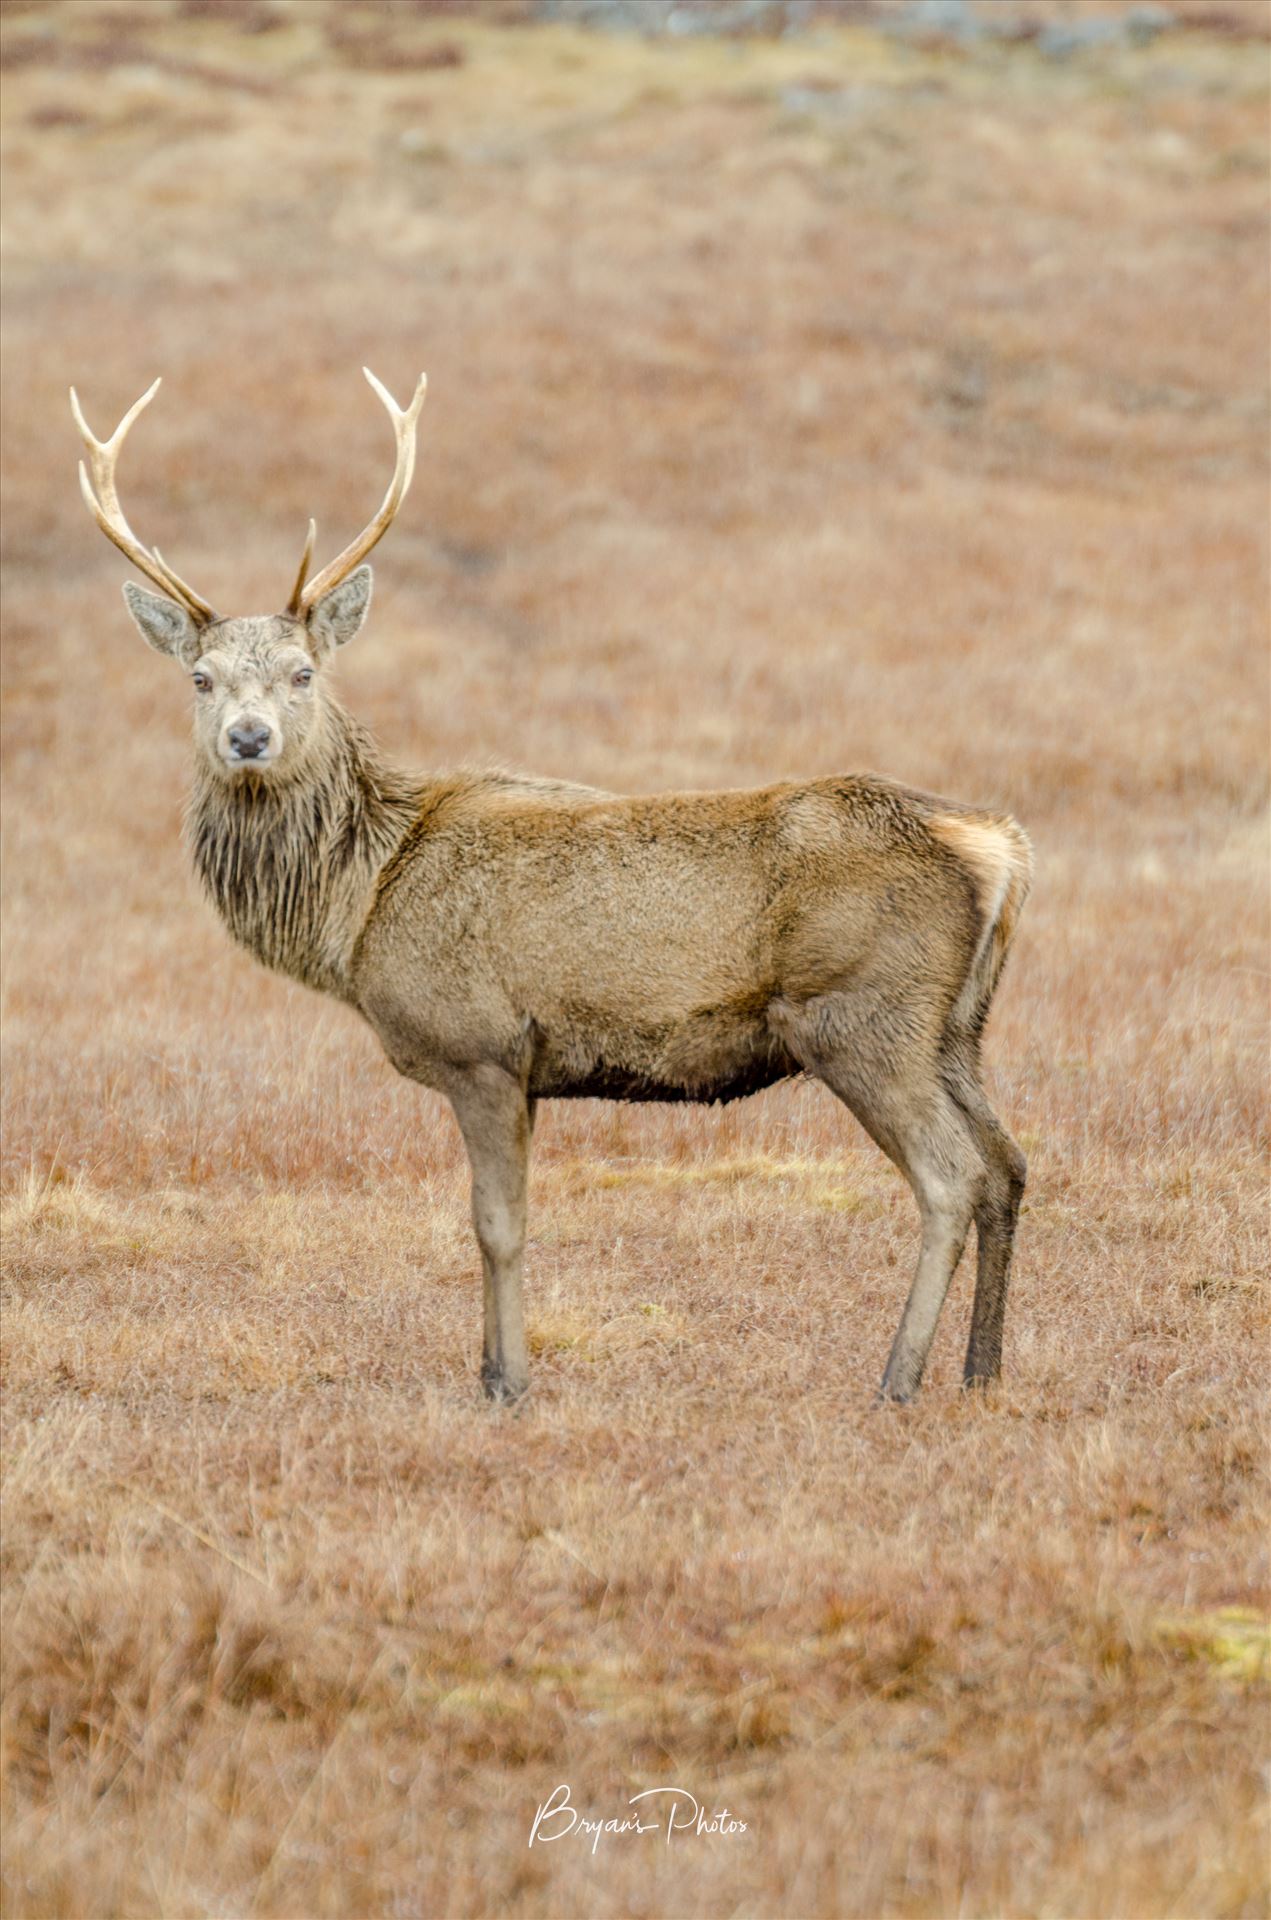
x=291, y=866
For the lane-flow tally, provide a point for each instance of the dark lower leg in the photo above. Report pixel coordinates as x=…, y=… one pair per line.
x=995, y=1220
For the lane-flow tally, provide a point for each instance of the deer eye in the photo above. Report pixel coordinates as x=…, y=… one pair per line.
x=203, y=683
x=302, y=677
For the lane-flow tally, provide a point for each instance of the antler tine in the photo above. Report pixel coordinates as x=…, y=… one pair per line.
x=293, y=605
x=197, y=603
x=145, y=562
x=404, y=423
x=102, y=500
x=104, y=453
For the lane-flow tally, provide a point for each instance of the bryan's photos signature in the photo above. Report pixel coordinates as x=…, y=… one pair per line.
x=665, y=1810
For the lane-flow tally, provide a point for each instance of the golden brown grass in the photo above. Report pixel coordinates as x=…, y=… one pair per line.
x=793, y=407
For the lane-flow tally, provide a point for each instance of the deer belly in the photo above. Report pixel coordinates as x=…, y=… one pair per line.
x=715, y=1054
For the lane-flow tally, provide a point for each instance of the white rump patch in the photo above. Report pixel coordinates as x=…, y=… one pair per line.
x=999, y=858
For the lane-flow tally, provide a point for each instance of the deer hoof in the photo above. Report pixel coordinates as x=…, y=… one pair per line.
x=893, y=1397
x=503, y=1389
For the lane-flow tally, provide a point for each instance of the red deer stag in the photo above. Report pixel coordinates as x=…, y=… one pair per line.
x=512, y=940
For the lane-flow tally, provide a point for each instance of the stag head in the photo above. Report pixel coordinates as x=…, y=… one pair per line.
x=258, y=706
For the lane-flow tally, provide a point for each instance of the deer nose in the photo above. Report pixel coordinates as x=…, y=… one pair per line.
x=248, y=743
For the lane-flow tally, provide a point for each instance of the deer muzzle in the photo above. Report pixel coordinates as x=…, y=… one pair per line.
x=249, y=740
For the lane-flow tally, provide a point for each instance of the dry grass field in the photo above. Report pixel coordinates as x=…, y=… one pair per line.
x=796, y=405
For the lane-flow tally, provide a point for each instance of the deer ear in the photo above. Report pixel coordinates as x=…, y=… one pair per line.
x=338, y=615
x=168, y=627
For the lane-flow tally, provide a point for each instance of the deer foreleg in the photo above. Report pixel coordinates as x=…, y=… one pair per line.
x=495, y=1118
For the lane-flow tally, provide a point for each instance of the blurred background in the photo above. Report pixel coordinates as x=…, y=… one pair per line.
x=813, y=385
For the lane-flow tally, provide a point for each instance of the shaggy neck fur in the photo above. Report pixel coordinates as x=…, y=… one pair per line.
x=291, y=865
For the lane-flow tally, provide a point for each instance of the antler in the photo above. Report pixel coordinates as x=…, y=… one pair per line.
x=303, y=597
x=102, y=502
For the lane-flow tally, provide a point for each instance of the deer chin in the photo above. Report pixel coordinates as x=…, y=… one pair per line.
x=236, y=767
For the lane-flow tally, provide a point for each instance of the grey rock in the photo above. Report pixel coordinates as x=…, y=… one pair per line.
x=1060, y=39
x=1135, y=28
x=1143, y=24
x=936, y=19
x=684, y=18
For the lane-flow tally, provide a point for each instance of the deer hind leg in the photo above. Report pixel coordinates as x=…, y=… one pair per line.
x=900, y=1099
x=996, y=1214
x=495, y=1119
x=931, y=1146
